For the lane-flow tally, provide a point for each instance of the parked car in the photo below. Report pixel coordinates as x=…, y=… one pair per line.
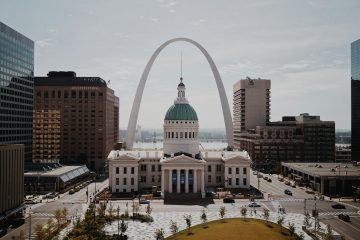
x=255, y=172
x=72, y=191
x=288, y=192
x=338, y=206
x=2, y=232
x=253, y=204
x=269, y=180
x=265, y=178
x=344, y=217
x=287, y=183
x=144, y=201
x=228, y=200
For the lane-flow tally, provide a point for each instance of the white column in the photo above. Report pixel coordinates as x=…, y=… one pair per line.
x=178, y=180
x=163, y=181
x=195, y=181
x=186, y=180
x=202, y=183
x=170, y=180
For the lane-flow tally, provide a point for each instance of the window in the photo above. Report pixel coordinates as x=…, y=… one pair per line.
x=159, y=178
x=143, y=179
x=143, y=167
x=125, y=170
x=209, y=178
x=218, y=179
x=153, y=168
x=229, y=170
x=117, y=190
x=159, y=168
x=244, y=170
x=209, y=168
x=124, y=190
x=124, y=181
x=117, y=181
x=244, y=181
x=132, y=170
x=237, y=181
x=237, y=170
x=218, y=168
x=117, y=170
x=152, y=178
x=229, y=181
x=132, y=181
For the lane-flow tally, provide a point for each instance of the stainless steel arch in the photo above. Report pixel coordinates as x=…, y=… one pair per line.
x=136, y=105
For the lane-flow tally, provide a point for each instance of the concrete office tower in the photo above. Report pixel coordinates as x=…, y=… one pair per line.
x=11, y=181
x=251, y=105
x=355, y=100
x=16, y=88
x=85, y=110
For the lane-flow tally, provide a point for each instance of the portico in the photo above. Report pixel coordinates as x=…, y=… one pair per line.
x=182, y=174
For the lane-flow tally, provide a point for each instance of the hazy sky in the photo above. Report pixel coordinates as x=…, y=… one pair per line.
x=302, y=46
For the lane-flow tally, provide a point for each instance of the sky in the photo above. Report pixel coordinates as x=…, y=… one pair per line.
x=302, y=46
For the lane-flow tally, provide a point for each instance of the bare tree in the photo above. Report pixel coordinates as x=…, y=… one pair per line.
x=148, y=210
x=50, y=226
x=159, y=234
x=243, y=212
x=203, y=217
x=123, y=227
x=58, y=217
x=40, y=233
x=328, y=233
x=222, y=212
x=266, y=214
x=280, y=221
x=188, y=220
x=110, y=210
x=173, y=228
x=307, y=221
x=291, y=228
x=64, y=214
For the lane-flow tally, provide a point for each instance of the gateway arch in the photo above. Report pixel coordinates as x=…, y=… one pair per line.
x=140, y=89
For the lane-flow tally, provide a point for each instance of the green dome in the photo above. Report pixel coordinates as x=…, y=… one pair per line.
x=181, y=112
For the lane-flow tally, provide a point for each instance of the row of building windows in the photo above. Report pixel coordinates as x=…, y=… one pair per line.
x=187, y=135
x=67, y=94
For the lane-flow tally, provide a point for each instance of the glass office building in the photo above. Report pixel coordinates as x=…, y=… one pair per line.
x=355, y=100
x=16, y=88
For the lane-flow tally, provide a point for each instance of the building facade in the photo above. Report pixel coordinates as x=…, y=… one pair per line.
x=16, y=88
x=180, y=167
x=77, y=119
x=343, y=153
x=303, y=138
x=355, y=100
x=251, y=106
x=11, y=180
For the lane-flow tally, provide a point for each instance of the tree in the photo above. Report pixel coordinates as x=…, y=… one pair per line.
x=159, y=234
x=65, y=213
x=243, y=212
x=280, y=221
x=50, y=226
x=188, y=220
x=110, y=210
x=222, y=212
x=173, y=228
x=123, y=227
x=203, y=217
x=307, y=221
x=148, y=210
x=291, y=228
x=58, y=217
x=266, y=214
x=39, y=230
x=135, y=207
x=328, y=233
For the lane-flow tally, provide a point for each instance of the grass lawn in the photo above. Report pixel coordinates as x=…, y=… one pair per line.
x=236, y=228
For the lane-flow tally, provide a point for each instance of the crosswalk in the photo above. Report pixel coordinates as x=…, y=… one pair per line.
x=42, y=215
x=337, y=213
x=290, y=200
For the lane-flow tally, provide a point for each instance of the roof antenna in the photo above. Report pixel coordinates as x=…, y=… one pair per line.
x=181, y=78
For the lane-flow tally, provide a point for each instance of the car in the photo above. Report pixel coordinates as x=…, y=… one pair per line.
x=228, y=200
x=266, y=178
x=72, y=191
x=338, y=206
x=344, y=217
x=287, y=183
x=144, y=201
x=253, y=204
x=255, y=173
x=288, y=192
x=269, y=180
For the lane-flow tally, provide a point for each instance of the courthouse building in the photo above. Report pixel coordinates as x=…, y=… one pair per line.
x=180, y=167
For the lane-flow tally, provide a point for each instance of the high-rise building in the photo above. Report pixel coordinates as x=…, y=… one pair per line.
x=251, y=105
x=303, y=138
x=11, y=181
x=77, y=116
x=355, y=100
x=16, y=88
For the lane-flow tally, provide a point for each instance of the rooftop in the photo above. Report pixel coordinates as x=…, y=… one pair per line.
x=62, y=78
x=326, y=169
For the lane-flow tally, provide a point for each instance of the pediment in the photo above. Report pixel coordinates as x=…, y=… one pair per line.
x=126, y=157
x=181, y=159
x=236, y=160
